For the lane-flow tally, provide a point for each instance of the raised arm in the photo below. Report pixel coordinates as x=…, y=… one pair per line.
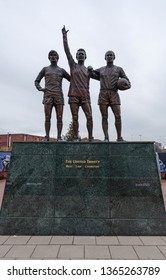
x=66, y=46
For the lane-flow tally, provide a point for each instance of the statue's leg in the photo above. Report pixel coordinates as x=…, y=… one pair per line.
x=74, y=107
x=104, y=114
x=59, y=116
x=48, y=112
x=88, y=113
x=118, y=122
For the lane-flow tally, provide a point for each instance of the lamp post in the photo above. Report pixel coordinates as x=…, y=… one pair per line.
x=8, y=140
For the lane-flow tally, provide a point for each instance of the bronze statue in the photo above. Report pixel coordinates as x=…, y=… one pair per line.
x=110, y=82
x=79, y=87
x=53, y=95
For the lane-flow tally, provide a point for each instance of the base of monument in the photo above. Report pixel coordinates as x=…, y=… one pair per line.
x=83, y=189
x=83, y=227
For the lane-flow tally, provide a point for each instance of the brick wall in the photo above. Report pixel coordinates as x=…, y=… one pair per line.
x=6, y=140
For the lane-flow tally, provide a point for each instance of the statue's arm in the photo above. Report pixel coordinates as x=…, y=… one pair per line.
x=94, y=74
x=66, y=46
x=66, y=75
x=123, y=75
x=38, y=79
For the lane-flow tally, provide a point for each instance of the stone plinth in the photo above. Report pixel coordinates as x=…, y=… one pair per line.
x=83, y=189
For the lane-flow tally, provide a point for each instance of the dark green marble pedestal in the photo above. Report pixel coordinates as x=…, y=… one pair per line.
x=83, y=189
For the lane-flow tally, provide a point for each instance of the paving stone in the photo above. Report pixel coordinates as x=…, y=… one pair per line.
x=129, y=240
x=3, y=238
x=163, y=250
x=123, y=253
x=97, y=252
x=164, y=238
x=2, y=259
x=84, y=240
x=71, y=252
x=20, y=251
x=17, y=240
x=148, y=253
x=39, y=240
x=45, y=251
x=62, y=240
x=107, y=240
x=152, y=240
x=82, y=247
x=4, y=249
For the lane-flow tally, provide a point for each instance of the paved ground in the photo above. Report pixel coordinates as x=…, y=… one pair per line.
x=83, y=247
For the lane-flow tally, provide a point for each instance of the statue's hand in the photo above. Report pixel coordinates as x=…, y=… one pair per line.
x=90, y=68
x=123, y=84
x=64, y=31
x=42, y=89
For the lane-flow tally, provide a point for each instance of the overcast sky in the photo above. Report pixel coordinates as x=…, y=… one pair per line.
x=133, y=29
